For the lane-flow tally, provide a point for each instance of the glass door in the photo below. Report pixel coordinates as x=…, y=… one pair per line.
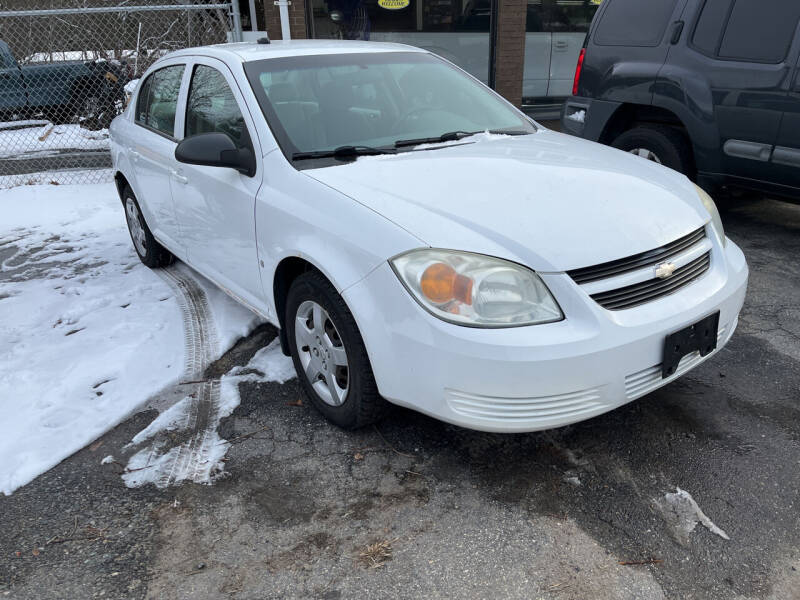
x=457, y=30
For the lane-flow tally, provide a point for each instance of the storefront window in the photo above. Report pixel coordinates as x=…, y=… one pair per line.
x=555, y=31
x=457, y=30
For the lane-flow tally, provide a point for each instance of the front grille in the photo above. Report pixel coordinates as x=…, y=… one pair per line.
x=646, y=291
x=637, y=261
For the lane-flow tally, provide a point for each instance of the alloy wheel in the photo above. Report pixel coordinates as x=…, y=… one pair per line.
x=646, y=154
x=322, y=353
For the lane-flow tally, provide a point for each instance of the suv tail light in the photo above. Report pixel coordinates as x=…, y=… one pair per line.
x=578, y=72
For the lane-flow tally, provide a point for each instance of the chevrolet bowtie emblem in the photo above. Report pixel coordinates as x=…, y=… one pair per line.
x=665, y=270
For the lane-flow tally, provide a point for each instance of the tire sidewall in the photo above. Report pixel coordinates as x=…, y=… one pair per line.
x=309, y=288
x=654, y=141
x=150, y=241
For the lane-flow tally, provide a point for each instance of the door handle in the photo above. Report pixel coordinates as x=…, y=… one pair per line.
x=561, y=45
x=677, y=30
x=178, y=177
x=135, y=155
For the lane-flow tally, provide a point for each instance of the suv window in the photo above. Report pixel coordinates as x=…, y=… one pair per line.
x=760, y=30
x=710, y=24
x=634, y=22
x=158, y=99
x=212, y=107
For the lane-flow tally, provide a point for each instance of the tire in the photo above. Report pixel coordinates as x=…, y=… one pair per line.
x=359, y=404
x=668, y=146
x=150, y=252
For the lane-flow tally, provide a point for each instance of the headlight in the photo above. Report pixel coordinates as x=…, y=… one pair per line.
x=716, y=221
x=476, y=290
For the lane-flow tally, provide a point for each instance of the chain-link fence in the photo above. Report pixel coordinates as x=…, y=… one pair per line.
x=66, y=72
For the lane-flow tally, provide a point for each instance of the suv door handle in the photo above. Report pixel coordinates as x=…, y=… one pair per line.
x=135, y=155
x=178, y=177
x=561, y=45
x=677, y=30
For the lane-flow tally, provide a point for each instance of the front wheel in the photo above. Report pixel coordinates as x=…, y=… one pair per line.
x=329, y=354
x=660, y=144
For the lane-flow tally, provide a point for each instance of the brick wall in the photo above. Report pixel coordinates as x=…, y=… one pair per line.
x=297, y=19
x=510, y=51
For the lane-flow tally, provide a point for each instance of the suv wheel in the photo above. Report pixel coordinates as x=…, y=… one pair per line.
x=329, y=354
x=659, y=144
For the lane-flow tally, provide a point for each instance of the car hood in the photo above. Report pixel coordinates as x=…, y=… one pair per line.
x=547, y=200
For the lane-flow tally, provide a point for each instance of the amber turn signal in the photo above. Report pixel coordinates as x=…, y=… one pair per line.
x=440, y=283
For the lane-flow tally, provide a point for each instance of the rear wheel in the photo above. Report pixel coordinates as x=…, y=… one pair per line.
x=329, y=354
x=150, y=252
x=660, y=144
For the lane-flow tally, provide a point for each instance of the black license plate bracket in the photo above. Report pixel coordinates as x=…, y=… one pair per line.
x=701, y=337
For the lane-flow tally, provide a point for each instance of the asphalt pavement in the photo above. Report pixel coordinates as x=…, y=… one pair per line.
x=415, y=508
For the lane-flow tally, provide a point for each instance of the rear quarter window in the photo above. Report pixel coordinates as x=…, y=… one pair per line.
x=634, y=22
x=710, y=25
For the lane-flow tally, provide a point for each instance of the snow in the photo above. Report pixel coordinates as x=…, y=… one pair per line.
x=579, y=116
x=130, y=87
x=107, y=460
x=56, y=177
x=35, y=141
x=683, y=513
x=199, y=458
x=175, y=417
x=87, y=333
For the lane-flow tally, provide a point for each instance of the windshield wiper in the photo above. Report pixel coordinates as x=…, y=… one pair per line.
x=450, y=136
x=343, y=152
x=454, y=136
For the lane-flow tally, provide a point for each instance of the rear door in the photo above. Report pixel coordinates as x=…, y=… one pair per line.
x=739, y=52
x=12, y=88
x=786, y=156
x=215, y=205
x=152, y=150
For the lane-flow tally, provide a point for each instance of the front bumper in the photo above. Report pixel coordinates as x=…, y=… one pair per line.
x=542, y=376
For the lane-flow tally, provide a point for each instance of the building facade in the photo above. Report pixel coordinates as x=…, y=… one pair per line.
x=525, y=49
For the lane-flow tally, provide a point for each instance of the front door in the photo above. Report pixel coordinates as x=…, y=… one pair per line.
x=786, y=156
x=214, y=205
x=153, y=151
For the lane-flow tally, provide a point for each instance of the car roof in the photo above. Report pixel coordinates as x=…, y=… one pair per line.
x=249, y=51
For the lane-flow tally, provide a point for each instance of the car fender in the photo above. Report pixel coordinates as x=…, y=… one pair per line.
x=297, y=216
x=687, y=94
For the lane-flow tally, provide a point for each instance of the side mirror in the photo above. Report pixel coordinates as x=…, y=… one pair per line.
x=215, y=150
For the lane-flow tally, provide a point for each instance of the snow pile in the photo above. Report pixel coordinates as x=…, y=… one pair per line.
x=683, y=514
x=579, y=116
x=87, y=333
x=268, y=364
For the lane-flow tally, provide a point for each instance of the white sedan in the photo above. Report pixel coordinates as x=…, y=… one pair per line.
x=417, y=239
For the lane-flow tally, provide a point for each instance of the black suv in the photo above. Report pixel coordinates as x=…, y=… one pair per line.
x=710, y=88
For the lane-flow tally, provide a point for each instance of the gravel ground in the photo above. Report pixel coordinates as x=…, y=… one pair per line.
x=415, y=508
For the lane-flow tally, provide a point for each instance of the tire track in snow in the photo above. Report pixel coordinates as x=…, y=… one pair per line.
x=197, y=457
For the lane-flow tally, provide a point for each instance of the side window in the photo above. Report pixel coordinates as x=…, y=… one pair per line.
x=710, y=25
x=158, y=99
x=650, y=17
x=760, y=30
x=212, y=107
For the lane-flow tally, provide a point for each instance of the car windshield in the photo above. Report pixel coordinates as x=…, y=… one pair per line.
x=373, y=102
